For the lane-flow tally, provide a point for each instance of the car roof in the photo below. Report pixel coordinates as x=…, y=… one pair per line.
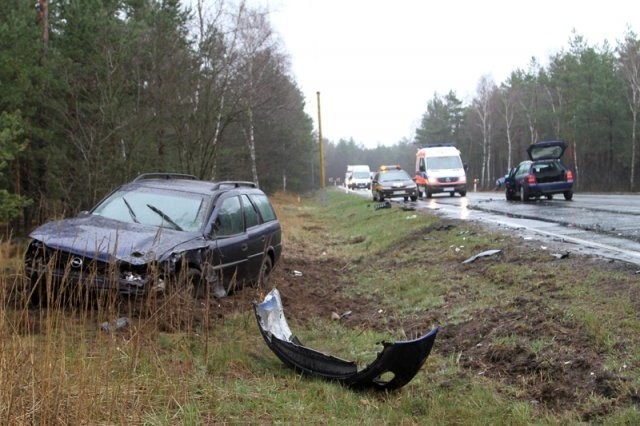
x=188, y=183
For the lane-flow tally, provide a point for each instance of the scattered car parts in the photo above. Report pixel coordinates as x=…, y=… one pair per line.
x=483, y=254
x=393, y=368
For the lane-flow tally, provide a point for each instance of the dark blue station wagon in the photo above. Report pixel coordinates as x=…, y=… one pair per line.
x=155, y=233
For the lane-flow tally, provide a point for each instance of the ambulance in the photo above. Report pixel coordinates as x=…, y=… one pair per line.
x=439, y=168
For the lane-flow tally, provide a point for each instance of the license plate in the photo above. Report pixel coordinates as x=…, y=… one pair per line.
x=398, y=192
x=447, y=189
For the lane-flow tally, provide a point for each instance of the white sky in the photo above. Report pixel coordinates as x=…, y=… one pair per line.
x=377, y=63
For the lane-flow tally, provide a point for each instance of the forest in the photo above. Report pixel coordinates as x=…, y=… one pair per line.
x=94, y=93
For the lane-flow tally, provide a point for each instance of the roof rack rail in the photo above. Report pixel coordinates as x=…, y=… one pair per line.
x=235, y=184
x=164, y=176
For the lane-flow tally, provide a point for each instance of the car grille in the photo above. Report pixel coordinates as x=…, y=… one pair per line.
x=68, y=266
x=449, y=179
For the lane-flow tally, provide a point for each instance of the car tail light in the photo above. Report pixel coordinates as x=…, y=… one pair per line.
x=530, y=179
x=569, y=175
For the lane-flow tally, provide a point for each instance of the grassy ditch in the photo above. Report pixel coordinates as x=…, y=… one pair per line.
x=524, y=337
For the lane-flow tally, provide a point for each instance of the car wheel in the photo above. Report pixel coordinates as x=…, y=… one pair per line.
x=549, y=196
x=406, y=199
x=428, y=193
x=568, y=195
x=265, y=272
x=463, y=193
x=524, y=193
x=380, y=197
x=37, y=288
x=414, y=198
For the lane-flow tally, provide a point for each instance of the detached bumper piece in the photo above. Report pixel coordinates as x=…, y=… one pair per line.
x=393, y=368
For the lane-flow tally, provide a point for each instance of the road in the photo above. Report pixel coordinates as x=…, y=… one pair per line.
x=606, y=225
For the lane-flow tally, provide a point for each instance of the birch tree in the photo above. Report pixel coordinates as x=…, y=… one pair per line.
x=482, y=107
x=629, y=69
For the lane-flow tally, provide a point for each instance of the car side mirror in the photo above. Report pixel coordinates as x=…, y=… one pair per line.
x=84, y=213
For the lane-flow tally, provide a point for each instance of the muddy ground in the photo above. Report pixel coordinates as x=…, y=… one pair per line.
x=563, y=378
x=566, y=377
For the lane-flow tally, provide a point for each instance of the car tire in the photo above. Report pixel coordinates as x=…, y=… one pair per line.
x=264, y=276
x=568, y=195
x=414, y=198
x=380, y=197
x=37, y=291
x=463, y=193
x=429, y=194
x=524, y=193
x=549, y=196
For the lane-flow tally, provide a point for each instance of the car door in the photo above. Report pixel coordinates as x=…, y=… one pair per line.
x=256, y=237
x=229, y=243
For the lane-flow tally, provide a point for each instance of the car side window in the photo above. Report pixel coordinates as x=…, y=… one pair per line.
x=522, y=170
x=264, y=206
x=230, y=219
x=251, y=215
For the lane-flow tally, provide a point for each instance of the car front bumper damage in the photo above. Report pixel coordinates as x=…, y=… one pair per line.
x=393, y=368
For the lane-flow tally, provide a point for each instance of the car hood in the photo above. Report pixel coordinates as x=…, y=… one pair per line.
x=106, y=239
x=546, y=150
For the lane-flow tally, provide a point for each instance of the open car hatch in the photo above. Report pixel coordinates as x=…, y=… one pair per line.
x=393, y=368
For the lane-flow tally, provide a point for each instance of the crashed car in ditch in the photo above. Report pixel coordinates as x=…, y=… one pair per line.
x=159, y=231
x=394, y=367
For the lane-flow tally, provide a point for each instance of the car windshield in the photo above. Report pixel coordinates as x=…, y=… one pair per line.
x=392, y=175
x=182, y=211
x=361, y=175
x=438, y=163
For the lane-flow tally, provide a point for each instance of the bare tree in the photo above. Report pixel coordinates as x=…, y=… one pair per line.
x=258, y=54
x=482, y=106
x=629, y=70
x=508, y=98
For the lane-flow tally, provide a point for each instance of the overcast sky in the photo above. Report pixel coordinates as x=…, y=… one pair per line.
x=377, y=63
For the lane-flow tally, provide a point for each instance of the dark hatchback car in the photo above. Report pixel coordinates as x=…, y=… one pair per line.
x=393, y=182
x=158, y=231
x=542, y=176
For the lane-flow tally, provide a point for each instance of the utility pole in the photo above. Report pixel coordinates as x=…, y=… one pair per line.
x=43, y=17
x=320, y=144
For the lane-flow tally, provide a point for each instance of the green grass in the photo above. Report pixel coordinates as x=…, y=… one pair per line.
x=168, y=367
